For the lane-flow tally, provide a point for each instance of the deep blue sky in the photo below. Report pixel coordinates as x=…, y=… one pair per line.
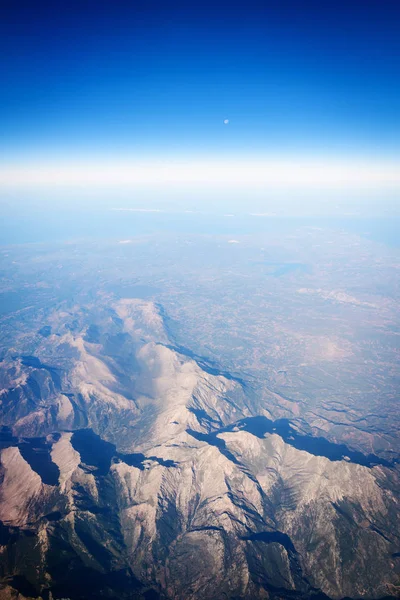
x=159, y=77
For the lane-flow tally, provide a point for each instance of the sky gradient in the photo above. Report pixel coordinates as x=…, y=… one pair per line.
x=143, y=81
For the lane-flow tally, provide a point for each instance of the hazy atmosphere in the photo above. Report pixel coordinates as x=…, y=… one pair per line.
x=285, y=108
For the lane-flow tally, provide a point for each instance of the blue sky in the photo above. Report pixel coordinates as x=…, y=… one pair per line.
x=155, y=80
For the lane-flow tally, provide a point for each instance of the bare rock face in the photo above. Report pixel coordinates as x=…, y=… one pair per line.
x=131, y=470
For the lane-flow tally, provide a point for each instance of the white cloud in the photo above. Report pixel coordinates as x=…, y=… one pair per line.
x=146, y=210
x=269, y=173
x=264, y=214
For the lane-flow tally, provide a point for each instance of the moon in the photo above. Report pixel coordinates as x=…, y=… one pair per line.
x=226, y=121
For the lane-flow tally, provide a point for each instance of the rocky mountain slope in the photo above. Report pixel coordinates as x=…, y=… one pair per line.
x=129, y=469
